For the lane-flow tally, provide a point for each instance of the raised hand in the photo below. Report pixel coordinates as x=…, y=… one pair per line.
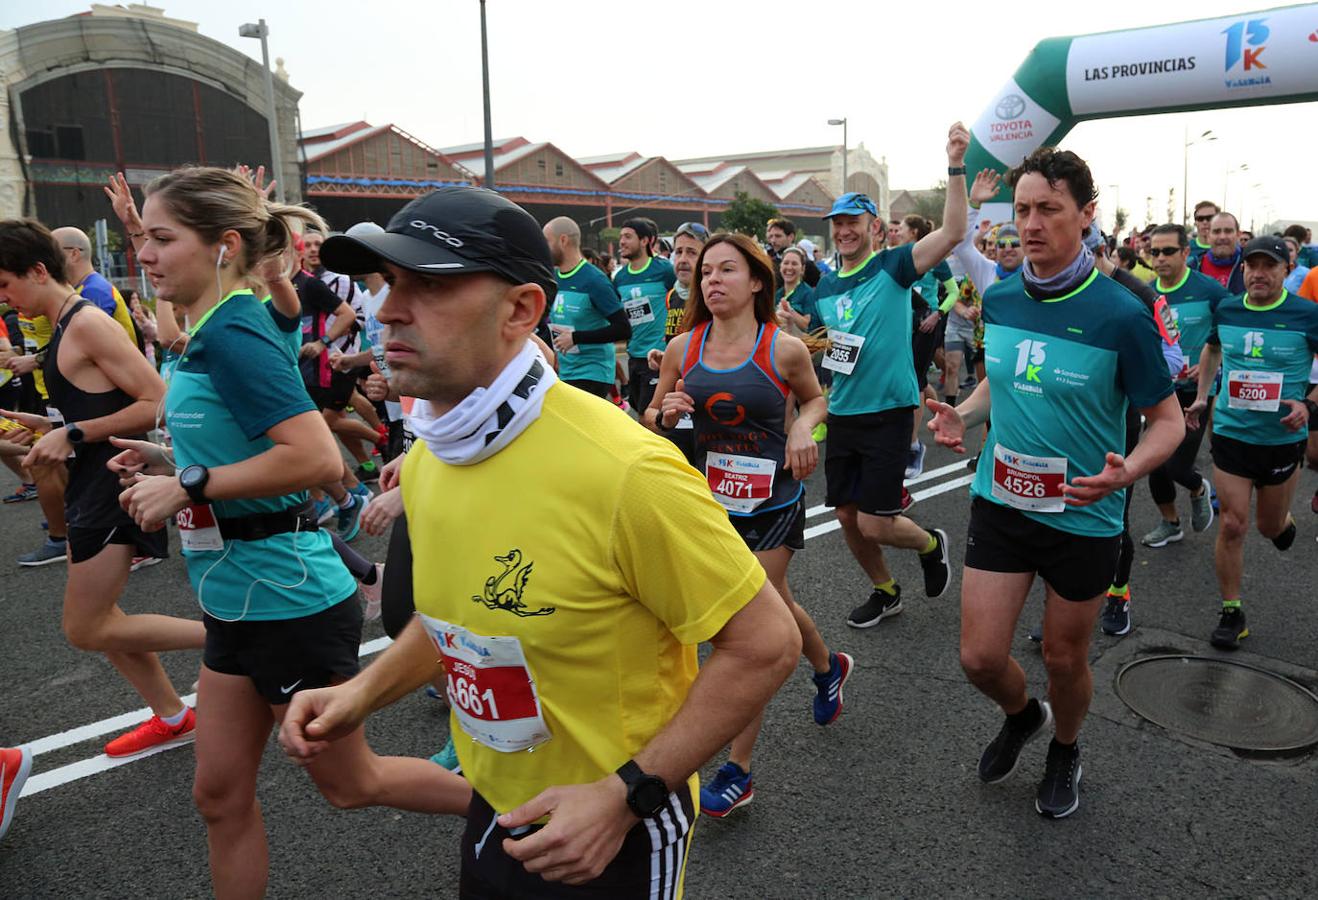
x=121, y=199
x=985, y=187
x=958, y=141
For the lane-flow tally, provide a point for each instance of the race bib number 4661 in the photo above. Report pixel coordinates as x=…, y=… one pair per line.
x=489, y=687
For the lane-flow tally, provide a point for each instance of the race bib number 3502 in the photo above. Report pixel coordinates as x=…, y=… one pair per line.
x=489, y=687
x=1026, y=482
x=1259, y=391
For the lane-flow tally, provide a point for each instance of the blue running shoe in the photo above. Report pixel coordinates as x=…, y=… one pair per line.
x=828, y=700
x=363, y=491
x=915, y=460
x=448, y=757
x=1212, y=494
x=350, y=519
x=732, y=787
x=325, y=510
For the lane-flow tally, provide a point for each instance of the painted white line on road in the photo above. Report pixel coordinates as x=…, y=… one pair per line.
x=919, y=479
x=101, y=763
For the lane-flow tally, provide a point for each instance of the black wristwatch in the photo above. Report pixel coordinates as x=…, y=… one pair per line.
x=956, y=170
x=193, y=479
x=646, y=794
x=76, y=436
x=1312, y=406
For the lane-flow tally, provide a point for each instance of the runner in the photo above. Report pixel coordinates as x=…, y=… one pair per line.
x=570, y=517
x=874, y=394
x=688, y=240
x=279, y=608
x=642, y=284
x=1204, y=211
x=1066, y=350
x=1264, y=341
x=927, y=335
x=795, y=298
x=1223, y=261
x=1192, y=296
x=104, y=387
x=585, y=318
x=91, y=284
x=735, y=372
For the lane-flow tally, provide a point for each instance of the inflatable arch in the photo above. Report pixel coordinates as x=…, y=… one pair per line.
x=1252, y=59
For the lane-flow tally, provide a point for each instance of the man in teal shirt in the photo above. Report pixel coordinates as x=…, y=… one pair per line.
x=866, y=306
x=642, y=285
x=1191, y=296
x=1264, y=341
x=585, y=317
x=1204, y=211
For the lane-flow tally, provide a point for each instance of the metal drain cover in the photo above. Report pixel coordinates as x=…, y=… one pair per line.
x=1225, y=703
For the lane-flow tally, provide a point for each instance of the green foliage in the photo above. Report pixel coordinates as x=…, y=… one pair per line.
x=1119, y=220
x=747, y=215
x=609, y=236
x=930, y=203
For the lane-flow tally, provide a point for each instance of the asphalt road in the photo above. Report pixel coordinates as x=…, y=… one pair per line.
x=882, y=803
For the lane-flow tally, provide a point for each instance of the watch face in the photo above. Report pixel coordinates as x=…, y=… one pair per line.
x=650, y=796
x=190, y=477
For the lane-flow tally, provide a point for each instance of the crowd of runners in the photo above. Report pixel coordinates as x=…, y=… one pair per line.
x=568, y=522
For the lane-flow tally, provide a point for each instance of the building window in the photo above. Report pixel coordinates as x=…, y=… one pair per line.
x=41, y=143
x=558, y=170
x=540, y=162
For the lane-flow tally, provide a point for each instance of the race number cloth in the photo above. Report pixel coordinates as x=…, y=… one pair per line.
x=642, y=294
x=1267, y=354
x=564, y=541
x=1061, y=372
x=740, y=483
x=1028, y=482
x=871, y=303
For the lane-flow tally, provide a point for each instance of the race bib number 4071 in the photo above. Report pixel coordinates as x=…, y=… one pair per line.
x=489, y=687
x=740, y=483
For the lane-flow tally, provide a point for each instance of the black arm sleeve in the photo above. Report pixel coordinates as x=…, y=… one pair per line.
x=618, y=329
x=1137, y=287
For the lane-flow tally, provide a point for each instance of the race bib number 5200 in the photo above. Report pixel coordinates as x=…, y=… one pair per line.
x=1259, y=391
x=1026, y=482
x=489, y=687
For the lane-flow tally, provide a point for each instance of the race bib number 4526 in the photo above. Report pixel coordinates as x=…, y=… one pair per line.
x=489, y=687
x=1026, y=482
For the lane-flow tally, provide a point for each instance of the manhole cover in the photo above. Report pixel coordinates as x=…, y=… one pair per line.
x=1226, y=703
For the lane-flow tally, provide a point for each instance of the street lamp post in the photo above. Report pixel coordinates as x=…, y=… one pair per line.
x=843, y=123
x=1185, y=169
x=260, y=30
x=485, y=83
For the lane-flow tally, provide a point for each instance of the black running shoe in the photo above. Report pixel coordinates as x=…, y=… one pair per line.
x=1059, y=792
x=878, y=607
x=1115, y=618
x=937, y=569
x=1000, y=757
x=1284, y=540
x=1231, y=628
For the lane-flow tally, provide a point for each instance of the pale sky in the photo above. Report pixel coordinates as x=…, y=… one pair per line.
x=703, y=77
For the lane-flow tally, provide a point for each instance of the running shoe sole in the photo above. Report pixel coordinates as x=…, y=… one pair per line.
x=1228, y=643
x=34, y=564
x=1079, y=770
x=887, y=613
x=1123, y=631
x=1043, y=726
x=1170, y=539
x=15, y=788
x=743, y=800
x=145, y=563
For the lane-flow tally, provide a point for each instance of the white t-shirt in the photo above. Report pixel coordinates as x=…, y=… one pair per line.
x=345, y=290
x=373, y=331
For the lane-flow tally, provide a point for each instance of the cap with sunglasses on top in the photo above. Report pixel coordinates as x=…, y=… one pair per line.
x=852, y=204
x=451, y=231
x=1267, y=245
x=692, y=229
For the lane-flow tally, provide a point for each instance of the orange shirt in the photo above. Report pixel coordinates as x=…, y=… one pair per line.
x=1309, y=287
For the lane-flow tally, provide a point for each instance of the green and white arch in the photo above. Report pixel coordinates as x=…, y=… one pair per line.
x=1252, y=59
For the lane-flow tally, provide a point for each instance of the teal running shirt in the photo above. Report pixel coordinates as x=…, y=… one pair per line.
x=1192, y=300
x=584, y=302
x=642, y=294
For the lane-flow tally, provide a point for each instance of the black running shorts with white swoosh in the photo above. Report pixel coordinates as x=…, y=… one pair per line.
x=1266, y=465
x=284, y=656
x=650, y=864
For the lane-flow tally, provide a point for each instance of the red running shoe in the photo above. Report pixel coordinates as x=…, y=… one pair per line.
x=151, y=734
x=15, y=765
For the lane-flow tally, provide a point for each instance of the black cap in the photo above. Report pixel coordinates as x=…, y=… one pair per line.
x=451, y=231
x=1268, y=245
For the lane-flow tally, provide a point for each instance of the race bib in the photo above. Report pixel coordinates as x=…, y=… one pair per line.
x=377, y=354
x=198, y=528
x=1031, y=483
x=1248, y=389
x=489, y=687
x=638, y=310
x=843, y=351
x=56, y=417
x=740, y=483
x=685, y=423
x=556, y=330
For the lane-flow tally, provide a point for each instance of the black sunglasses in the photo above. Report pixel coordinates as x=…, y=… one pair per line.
x=1207, y=218
x=1002, y=245
x=1155, y=252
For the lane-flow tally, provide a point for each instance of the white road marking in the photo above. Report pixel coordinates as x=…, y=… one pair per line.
x=919, y=479
x=95, y=765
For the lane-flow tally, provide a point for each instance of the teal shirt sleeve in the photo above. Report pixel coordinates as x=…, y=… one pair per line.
x=258, y=383
x=899, y=263
x=1141, y=368
x=603, y=296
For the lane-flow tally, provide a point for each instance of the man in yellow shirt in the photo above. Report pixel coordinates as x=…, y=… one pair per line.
x=566, y=564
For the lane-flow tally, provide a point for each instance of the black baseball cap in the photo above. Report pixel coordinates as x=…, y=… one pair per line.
x=1268, y=245
x=451, y=231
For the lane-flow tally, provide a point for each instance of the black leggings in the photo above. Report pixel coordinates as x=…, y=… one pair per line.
x=1180, y=466
x=1126, y=558
x=397, y=605
x=358, y=565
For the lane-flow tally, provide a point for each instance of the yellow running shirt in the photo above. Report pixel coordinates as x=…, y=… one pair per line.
x=566, y=581
x=36, y=335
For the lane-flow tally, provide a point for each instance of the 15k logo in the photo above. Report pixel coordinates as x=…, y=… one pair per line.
x=1245, y=41
x=1254, y=344
x=1030, y=359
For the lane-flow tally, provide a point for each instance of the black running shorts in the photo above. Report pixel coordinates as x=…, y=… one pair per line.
x=649, y=865
x=284, y=656
x=865, y=460
x=775, y=528
x=598, y=388
x=84, y=543
x=1002, y=539
x=338, y=395
x=1265, y=465
x=641, y=382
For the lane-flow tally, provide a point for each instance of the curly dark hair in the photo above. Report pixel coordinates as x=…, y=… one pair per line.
x=1059, y=165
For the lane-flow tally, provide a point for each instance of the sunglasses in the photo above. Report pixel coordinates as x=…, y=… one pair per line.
x=1003, y=245
x=694, y=229
x=1207, y=218
x=1155, y=252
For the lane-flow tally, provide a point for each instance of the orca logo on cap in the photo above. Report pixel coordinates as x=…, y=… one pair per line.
x=439, y=235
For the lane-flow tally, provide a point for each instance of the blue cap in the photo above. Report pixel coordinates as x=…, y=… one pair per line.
x=852, y=204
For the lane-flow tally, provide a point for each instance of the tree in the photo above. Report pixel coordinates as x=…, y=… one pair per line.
x=1119, y=220
x=930, y=203
x=747, y=215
